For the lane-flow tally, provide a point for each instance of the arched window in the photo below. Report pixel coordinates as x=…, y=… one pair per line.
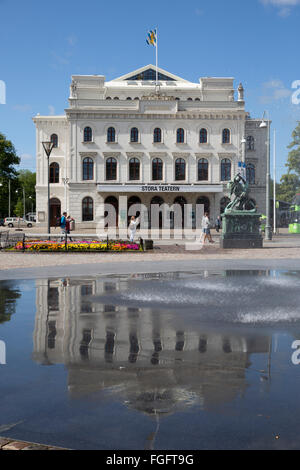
x=182, y=203
x=54, y=173
x=87, y=209
x=180, y=169
x=134, y=135
x=87, y=134
x=203, y=136
x=133, y=201
x=190, y=99
x=224, y=203
x=156, y=222
x=250, y=142
x=116, y=98
x=111, y=169
x=134, y=169
x=180, y=136
x=250, y=173
x=108, y=98
x=157, y=135
x=204, y=201
x=111, y=134
x=87, y=169
x=225, y=169
x=111, y=211
x=202, y=169
x=54, y=140
x=129, y=98
x=226, y=136
x=157, y=169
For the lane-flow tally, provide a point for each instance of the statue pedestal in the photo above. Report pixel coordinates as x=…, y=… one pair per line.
x=240, y=229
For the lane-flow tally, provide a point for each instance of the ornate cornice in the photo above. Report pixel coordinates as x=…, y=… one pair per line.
x=88, y=154
x=111, y=154
x=158, y=154
x=92, y=115
x=203, y=154
x=226, y=154
x=180, y=154
x=134, y=154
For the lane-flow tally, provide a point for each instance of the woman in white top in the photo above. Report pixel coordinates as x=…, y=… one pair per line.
x=206, y=228
x=132, y=227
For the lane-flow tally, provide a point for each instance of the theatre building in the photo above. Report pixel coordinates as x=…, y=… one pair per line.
x=130, y=141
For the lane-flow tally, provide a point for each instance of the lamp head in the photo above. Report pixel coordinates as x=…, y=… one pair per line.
x=48, y=146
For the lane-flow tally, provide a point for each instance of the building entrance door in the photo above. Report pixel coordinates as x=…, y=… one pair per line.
x=55, y=211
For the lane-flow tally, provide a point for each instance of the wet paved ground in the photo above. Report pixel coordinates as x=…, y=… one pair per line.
x=159, y=360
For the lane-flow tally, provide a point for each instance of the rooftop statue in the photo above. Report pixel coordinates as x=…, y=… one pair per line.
x=241, y=201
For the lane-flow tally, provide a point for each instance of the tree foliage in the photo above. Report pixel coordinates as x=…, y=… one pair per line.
x=8, y=159
x=17, y=180
x=290, y=182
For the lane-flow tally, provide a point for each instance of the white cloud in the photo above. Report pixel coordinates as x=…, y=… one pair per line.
x=51, y=110
x=26, y=157
x=284, y=6
x=72, y=39
x=274, y=90
x=22, y=107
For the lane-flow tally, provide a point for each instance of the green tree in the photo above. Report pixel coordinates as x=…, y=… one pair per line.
x=289, y=185
x=293, y=161
x=290, y=182
x=8, y=161
x=8, y=297
x=27, y=181
x=19, y=208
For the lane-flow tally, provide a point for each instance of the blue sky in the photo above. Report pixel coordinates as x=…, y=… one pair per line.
x=44, y=43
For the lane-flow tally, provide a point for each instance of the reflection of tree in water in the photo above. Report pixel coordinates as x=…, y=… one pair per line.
x=8, y=297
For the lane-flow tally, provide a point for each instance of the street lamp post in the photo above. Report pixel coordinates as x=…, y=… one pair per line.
x=48, y=146
x=24, y=209
x=268, y=230
x=30, y=197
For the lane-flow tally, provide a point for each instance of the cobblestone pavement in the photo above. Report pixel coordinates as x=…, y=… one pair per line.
x=11, y=444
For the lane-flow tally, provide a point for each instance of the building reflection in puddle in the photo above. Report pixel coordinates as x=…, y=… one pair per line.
x=138, y=355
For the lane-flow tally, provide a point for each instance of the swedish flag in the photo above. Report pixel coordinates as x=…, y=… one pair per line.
x=151, y=38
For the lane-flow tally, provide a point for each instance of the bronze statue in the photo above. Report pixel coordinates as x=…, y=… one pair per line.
x=241, y=202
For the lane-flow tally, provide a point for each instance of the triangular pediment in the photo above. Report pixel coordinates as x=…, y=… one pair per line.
x=148, y=73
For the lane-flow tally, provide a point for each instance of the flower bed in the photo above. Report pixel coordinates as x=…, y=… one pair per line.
x=82, y=245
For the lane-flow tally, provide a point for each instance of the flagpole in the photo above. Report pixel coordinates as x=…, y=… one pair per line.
x=274, y=184
x=156, y=57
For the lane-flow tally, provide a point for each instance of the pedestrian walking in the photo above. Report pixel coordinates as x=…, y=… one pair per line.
x=218, y=224
x=132, y=227
x=206, y=228
x=68, y=225
x=63, y=223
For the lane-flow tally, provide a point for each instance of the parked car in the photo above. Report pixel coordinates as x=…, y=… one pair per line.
x=17, y=222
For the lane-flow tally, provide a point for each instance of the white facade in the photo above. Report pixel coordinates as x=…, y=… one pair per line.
x=133, y=101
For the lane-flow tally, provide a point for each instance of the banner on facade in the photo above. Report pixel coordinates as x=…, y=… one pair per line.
x=159, y=188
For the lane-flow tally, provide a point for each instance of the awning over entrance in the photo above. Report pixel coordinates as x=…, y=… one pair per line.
x=159, y=188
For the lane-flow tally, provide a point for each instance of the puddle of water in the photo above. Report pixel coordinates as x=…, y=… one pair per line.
x=164, y=361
